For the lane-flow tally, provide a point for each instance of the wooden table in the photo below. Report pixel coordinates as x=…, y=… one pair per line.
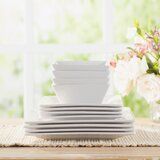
x=80, y=153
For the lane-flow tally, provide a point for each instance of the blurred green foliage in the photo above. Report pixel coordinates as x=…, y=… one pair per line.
x=86, y=28
x=11, y=85
x=137, y=104
x=127, y=11
x=81, y=22
x=75, y=57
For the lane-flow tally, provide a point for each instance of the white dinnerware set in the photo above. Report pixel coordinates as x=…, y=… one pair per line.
x=77, y=111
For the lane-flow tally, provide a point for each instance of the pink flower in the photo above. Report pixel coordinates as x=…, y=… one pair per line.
x=113, y=64
x=142, y=47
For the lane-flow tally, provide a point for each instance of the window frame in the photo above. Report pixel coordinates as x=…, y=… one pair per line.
x=30, y=48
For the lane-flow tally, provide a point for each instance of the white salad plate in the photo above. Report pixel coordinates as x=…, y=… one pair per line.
x=77, y=106
x=126, y=117
x=80, y=112
x=81, y=109
x=78, y=117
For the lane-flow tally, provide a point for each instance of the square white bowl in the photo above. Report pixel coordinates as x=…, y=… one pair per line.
x=81, y=93
x=80, y=74
x=79, y=66
x=80, y=62
x=62, y=81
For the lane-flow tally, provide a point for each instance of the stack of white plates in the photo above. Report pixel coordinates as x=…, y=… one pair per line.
x=80, y=82
x=73, y=111
x=82, y=128
x=79, y=111
x=71, y=121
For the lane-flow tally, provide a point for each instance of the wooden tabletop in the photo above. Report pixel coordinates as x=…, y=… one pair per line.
x=79, y=153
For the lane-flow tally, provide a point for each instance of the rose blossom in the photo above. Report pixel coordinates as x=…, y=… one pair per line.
x=126, y=73
x=137, y=67
x=148, y=86
x=112, y=64
x=121, y=78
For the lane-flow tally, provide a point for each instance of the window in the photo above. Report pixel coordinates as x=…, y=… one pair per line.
x=12, y=38
x=35, y=33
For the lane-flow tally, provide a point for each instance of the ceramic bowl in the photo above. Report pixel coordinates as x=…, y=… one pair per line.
x=80, y=74
x=63, y=81
x=79, y=66
x=81, y=93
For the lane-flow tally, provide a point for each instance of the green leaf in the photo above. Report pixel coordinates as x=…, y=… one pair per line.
x=130, y=48
x=116, y=57
x=149, y=62
x=153, y=70
x=136, y=23
x=151, y=32
x=158, y=102
x=153, y=67
x=137, y=26
x=139, y=31
x=156, y=40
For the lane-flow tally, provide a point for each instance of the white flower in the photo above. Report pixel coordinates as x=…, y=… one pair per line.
x=126, y=73
x=137, y=67
x=144, y=65
x=148, y=86
x=121, y=78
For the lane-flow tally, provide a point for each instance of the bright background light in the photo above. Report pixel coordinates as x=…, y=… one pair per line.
x=35, y=33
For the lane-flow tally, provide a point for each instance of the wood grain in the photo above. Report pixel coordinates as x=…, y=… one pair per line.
x=79, y=153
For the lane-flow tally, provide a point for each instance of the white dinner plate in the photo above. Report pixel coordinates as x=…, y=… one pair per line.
x=82, y=121
x=35, y=130
x=81, y=135
x=75, y=125
x=91, y=121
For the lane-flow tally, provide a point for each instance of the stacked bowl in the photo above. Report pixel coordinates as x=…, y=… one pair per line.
x=80, y=82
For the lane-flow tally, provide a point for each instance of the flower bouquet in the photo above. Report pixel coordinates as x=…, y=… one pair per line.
x=138, y=70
